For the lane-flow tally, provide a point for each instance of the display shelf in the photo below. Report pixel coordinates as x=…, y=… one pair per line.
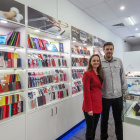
x=129, y=116
x=75, y=80
x=133, y=77
x=7, y=47
x=11, y=24
x=134, y=94
x=31, y=50
x=79, y=66
x=48, y=104
x=76, y=94
x=6, y=120
x=126, y=105
x=12, y=92
x=12, y=68
x=43, y=68
x=84, y=55
x=51, y=84
x=80, y=44
x=42, y=33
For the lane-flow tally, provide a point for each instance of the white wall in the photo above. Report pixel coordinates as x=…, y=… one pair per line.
x=127, y=47
x=67, y=12
x=135, y=48
x=132, y=61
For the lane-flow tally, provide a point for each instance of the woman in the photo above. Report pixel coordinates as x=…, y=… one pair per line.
x=92, y=103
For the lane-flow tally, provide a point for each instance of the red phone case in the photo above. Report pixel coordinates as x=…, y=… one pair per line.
x=41, y=44
x=12, y=60
x=17, y=97
x=1, y=90
x=7, y=111
x=15, y=108
x=9, y=63
x=4, y=111
x=9, y=55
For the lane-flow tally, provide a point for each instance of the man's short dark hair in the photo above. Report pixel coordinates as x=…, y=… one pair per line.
x=107, y=44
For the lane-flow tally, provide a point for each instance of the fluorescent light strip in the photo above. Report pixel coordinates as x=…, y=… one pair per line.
x=37, y=31
x=3, y=21
x=131, y=20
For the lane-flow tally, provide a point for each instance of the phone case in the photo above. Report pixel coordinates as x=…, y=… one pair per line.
x=4, y=111
x=10, y=110
x=15, y=63
x=1, y=113
x=7, y=111
x=1, y=90
x=1, y=62
x=5, y=87
x=19, y=64
x=10, y=86
x=9, y=63
x=6, y=100
x=12, y=55
x=15, y=55
x=13, y=99
x=20, y=106
x=14, y=85
x=15, y=108
x=12, y=63
x=9, y=55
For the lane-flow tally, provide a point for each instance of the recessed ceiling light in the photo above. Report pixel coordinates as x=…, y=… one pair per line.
x=84, y=44
x=3, y=21
x=58, y=36
x=73, y=41
x=37, y=30
x=136, y=29
x=131, y=21
x=122, y=8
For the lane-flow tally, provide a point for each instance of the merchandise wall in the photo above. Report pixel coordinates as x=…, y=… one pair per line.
x=44, y=88
x=65, y=11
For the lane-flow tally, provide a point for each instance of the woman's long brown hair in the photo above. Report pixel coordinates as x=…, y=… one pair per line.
x=99, y=69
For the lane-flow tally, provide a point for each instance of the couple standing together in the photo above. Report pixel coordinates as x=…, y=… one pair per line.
x=104, y=83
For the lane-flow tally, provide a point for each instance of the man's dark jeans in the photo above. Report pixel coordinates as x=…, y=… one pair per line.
x=117, y=107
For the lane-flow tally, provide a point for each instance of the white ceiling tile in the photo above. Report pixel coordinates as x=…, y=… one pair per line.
x=93, y=15
x=109, y=23
x=103, y=11
x=78, y=4
x=123, y=31
x=136, y=18
x=90, y=3
x=131, y=6
x=132, y=28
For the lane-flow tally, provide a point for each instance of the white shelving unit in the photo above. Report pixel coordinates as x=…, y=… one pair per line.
x=15, y=122
x=55, y=112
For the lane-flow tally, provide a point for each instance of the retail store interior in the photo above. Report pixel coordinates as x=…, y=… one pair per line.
x=45, y=46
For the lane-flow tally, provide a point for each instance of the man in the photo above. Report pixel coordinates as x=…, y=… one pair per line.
x=113, y=87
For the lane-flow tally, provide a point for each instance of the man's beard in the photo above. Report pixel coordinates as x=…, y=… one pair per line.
x=109, y=56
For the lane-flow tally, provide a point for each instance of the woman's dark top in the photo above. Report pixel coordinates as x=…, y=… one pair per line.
x=100, y=78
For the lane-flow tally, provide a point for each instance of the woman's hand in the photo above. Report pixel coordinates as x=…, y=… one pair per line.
x=90, y=113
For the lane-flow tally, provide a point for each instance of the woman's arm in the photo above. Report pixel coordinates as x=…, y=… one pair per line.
x=86, y=93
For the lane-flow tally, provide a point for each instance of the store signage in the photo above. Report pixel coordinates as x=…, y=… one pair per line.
x=81, y=36
x=97, y=42
x=47, y=23
x=12, y=10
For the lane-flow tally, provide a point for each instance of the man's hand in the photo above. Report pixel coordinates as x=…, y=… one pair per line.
x=90, y=113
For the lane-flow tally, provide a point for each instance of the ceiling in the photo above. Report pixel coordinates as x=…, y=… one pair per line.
x=108, y=13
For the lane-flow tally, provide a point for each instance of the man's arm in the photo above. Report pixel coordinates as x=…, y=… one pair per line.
x=123, y=79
